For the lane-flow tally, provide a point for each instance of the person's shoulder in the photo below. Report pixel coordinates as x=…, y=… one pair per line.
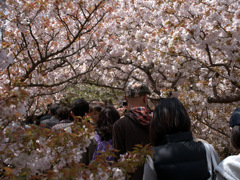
x=54, y=118
x=44, y=122
x=64, y=126
x=229, y=162
x=45, y=117
x=231, y=158
x=204, y=143
x=122, y=120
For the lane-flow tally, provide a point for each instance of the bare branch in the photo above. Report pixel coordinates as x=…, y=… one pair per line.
x=224, y=99
x=37, y=43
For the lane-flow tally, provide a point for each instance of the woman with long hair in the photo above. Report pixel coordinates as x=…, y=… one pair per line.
x=104, y=127
x=177, y=156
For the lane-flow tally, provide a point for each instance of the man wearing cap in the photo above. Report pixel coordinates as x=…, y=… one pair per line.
x=133, y=127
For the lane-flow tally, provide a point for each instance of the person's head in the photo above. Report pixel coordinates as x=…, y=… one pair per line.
x=123, y=108
x=124, y=103
x=104, y=125
x=80, y=107
x=136, y=94
x=235, y=129
x=53, y=109
x=94, y=111
x=108, y=102
x=62, y=113
x=169, y=117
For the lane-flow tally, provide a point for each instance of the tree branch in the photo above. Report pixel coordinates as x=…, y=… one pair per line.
x=224, y=99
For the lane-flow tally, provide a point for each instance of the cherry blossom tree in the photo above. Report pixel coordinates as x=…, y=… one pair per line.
x=45, y=47
x=48, y=45
x=184, y=48
x=187, y=48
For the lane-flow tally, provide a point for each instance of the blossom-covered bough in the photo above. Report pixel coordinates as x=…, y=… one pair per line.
x=47, y=46
x=35, y=153
x=187, y=47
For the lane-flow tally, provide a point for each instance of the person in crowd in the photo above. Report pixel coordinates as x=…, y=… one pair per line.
x=123, y=108
x=63, y=114
x=229, y=168
x=80, y=109
x=104, y=125
x=44, y=116
x=94, y=111
x=176, y=154
x=49, y=123
x=133, y=127
x=108, y=102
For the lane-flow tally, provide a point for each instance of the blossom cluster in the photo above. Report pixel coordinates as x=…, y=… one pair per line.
x=187, y=48
x=35, y=150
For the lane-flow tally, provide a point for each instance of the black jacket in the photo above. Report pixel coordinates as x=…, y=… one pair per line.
x=180, y=158
x=128, y=132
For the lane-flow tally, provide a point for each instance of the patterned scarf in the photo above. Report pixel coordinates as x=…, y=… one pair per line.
x=143, y=114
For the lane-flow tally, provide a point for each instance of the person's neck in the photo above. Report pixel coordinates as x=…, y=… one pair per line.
x=130, y=106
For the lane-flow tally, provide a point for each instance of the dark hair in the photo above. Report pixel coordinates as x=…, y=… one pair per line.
x=235, y=118
x=95, y=106
x=235, y=137
x=31, y=119
x=124, y=103
x=63, y=112
x=53, y=109
x=108, y=103
x=169, y=117
x=107, y=117
x=80, y=107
